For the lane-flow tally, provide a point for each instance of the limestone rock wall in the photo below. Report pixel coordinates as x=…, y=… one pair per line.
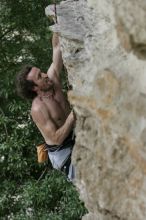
x=104, y=51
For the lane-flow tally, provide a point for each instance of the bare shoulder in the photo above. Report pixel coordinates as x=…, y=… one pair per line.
x=39, y=111
x=37, y=105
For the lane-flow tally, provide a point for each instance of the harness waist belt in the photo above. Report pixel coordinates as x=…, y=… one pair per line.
x=69, y=140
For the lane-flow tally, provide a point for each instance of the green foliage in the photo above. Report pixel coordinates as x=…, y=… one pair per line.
x=25, y=38
x=51, y=198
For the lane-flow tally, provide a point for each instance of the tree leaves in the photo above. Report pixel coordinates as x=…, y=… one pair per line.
x=25, y=38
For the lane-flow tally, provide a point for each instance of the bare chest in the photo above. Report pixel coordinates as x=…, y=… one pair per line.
x=58, y=107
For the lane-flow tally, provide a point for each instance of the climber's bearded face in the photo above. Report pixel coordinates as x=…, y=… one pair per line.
x=40, y=79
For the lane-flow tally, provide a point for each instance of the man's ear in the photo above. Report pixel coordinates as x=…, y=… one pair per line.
x=35, y=88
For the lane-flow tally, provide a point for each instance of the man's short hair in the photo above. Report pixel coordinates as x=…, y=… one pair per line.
x=24, y=86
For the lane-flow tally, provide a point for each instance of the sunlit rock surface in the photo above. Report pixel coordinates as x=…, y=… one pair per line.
x=104, y=51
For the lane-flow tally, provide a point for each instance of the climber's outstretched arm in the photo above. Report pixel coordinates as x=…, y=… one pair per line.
x=57, y=63
x=57, y=55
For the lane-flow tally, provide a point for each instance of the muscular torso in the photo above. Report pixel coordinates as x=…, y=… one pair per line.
x=56, y=106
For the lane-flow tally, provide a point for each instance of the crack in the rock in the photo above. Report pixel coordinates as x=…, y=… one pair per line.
x=113, y=215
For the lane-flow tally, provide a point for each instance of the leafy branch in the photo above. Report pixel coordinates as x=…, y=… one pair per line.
x=6, y=32
x=5, y=126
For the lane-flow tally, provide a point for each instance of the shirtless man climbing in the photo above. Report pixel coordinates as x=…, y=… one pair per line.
x=50, y=110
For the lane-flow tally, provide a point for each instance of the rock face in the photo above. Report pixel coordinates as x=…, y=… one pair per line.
x=104, y=51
